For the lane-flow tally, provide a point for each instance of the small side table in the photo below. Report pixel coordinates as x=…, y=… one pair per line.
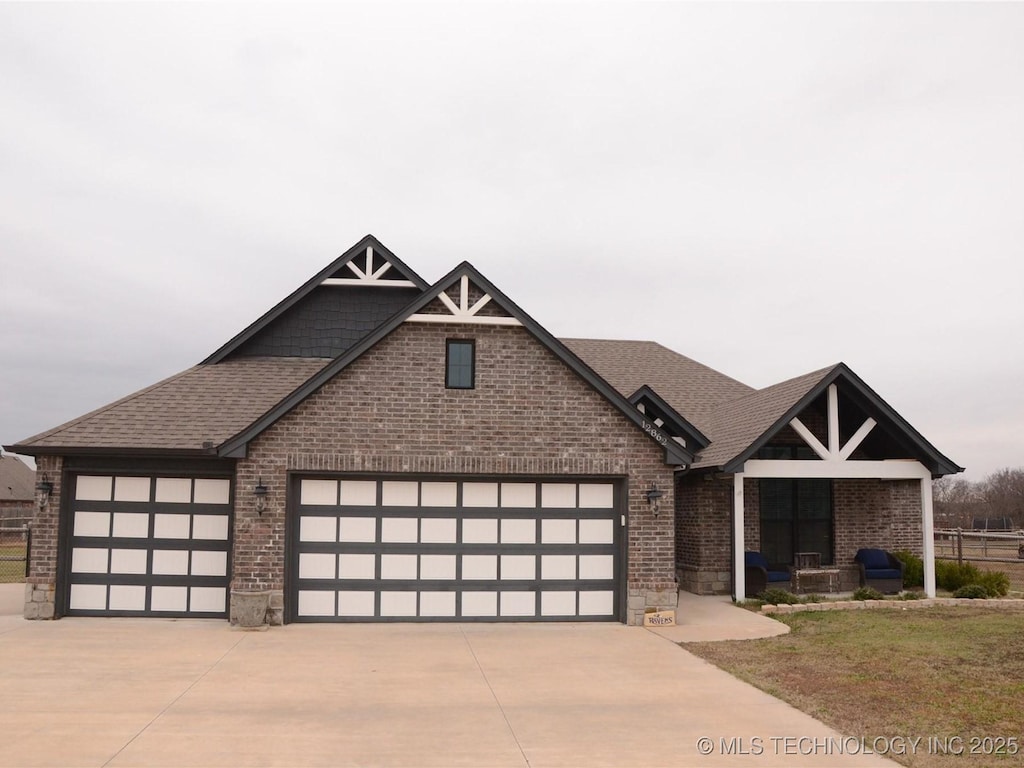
x=816, y=580
x=806, y=560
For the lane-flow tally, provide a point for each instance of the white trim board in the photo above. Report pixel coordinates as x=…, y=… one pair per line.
x=889, y=469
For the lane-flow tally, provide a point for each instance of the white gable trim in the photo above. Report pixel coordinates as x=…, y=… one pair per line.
x=365, y=277
x=461, y=312
x=887, y=469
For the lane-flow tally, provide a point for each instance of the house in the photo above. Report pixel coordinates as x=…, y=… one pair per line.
x=17, y=490
x=377, y=448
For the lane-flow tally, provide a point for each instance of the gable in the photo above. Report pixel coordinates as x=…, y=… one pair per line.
x=464, y=297
x=833, y=412
x=668, y=419
x=526, y=408
x=333, y=310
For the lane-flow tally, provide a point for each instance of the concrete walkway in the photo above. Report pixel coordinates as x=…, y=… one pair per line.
x=154, y=692
x=701, y=618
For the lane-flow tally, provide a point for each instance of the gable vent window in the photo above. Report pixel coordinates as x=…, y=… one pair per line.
x=460, y=367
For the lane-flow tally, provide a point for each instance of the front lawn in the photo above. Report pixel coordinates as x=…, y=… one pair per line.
x=953, y=676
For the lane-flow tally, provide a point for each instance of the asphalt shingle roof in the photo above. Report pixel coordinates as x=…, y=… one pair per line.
x=206, y=402
x=731, y=414
x=693, y=389
x=734, y=425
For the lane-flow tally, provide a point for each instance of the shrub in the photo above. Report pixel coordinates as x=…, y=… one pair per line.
x=777, y=596
x=996, y=583
x=909, y=595
x=868, y=593
x=972, y=592
x=913, y=568
x=812, y=599
x=950, y=575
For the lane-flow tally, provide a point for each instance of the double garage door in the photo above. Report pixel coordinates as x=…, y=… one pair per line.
x=148, y=546
x=458, y=550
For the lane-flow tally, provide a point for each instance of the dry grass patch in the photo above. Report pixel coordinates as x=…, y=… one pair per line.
x=935, y=673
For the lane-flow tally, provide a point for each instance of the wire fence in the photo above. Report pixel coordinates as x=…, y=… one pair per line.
x=986, y=550
x=15, y=543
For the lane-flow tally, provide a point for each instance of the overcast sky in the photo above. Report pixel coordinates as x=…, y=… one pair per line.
x=766, y=188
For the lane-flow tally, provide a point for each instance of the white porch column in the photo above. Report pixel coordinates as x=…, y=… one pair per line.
x=739, y=576
x=928, y=531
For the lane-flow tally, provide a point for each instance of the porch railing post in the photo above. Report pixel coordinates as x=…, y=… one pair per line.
x=739, y=585
x=928, y=529
x=959, y=546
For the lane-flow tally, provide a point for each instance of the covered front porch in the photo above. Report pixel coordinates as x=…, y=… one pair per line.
x=837, y=470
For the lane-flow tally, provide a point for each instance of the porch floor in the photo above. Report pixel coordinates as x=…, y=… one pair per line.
x=714, y=617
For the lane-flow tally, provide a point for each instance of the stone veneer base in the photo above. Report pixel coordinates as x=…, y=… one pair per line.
x=855, y=605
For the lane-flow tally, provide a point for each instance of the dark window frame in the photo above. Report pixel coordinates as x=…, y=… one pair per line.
x=455, y=372
x=798, y=490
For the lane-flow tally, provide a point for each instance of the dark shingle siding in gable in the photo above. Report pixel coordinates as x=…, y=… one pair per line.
x=327, y=322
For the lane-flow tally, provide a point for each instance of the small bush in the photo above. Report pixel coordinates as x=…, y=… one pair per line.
x=950, y=575
x=911, y=595
x=972, y=592
x=996, y=583
x=913, y=568
x=812, y=599
x=868, y=593
x=776, y=596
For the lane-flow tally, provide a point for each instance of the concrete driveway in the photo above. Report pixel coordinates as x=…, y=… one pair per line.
x=119, y=692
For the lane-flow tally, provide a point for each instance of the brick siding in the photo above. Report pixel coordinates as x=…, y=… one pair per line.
x=41, y=584
x=389, y=412
x=866, y=513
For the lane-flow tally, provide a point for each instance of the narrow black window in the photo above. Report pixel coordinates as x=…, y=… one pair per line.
x=796, y=514
x=460, y=365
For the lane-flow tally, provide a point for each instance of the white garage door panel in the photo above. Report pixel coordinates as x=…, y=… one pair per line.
x=149, y=545
x=510, y=550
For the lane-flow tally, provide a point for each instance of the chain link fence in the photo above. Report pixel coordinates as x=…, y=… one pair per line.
x=14, y=548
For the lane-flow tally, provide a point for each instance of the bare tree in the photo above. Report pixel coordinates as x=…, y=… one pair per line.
x=1003, y=495
x=957, y=502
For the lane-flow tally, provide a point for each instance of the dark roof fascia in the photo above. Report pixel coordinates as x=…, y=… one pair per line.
x=308, y=286
x=674, y=453
x=939, y=464
x=56, y=450
x=680, y=423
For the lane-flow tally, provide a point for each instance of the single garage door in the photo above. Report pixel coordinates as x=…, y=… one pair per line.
x=149, y=546
x=455, y=550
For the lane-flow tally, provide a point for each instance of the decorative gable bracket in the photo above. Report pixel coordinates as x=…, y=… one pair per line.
x=833, y=452
x=367, y=275
x=462, y=311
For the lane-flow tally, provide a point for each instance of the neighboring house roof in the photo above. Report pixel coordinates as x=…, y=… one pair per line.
x=206, y=403
x=17, y=480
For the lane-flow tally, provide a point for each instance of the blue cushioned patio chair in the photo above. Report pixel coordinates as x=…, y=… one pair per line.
x=760, y=576
x=879, y=570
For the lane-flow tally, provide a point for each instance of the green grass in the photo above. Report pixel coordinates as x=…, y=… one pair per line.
x=939, y=672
